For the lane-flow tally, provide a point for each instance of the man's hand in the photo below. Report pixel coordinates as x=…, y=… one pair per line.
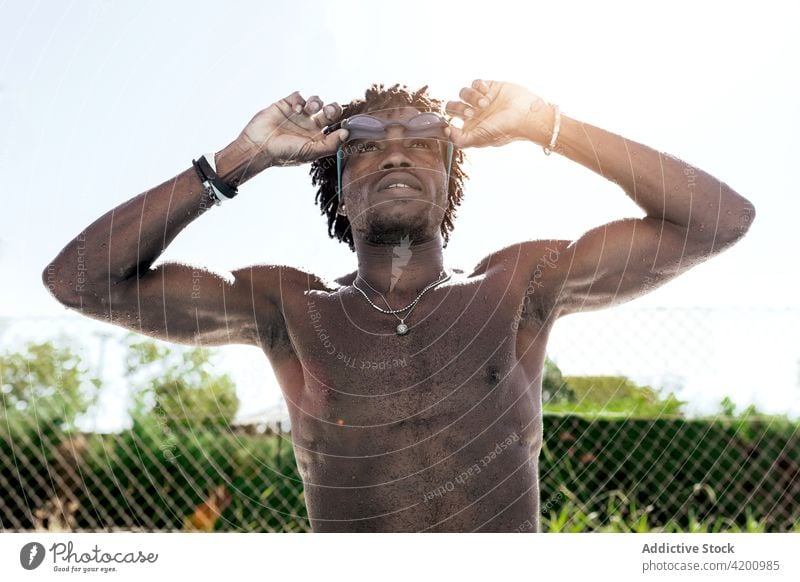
x=496, y=113
x=287, y=133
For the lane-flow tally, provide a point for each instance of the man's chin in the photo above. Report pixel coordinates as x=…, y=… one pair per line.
x=384, y=230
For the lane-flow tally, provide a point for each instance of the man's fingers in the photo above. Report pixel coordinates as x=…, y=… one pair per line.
x=468, y=137
x=474, y=97
x=460, y=109
x=313, y=105
x=332, y=111
x=481, y=85
x=295, y=102
x=328, y=144
x=330, y=114
x=459, y=137
x=320, y=121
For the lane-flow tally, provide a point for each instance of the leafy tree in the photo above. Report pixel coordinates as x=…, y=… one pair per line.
x=554, y=388
x=727, y=407
x=46, y=383
x=178, y=385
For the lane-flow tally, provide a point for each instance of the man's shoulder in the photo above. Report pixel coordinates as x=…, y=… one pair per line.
x=522, y=256
x=347, y=279
x=286, y=278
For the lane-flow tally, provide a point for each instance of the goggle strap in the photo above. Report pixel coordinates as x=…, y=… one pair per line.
x=449, y=164
x=339, y=156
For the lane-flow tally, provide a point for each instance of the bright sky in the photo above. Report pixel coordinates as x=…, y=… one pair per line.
x=101, y=100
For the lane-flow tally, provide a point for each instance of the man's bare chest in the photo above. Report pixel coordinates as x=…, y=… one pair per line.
x=459, y=360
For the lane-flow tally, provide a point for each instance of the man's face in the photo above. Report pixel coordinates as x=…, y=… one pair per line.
x=395, y=186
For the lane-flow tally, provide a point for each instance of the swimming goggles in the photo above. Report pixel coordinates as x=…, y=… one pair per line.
x=364, y=126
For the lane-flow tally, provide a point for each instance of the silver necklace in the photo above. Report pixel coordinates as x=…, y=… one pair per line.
x=402, y=328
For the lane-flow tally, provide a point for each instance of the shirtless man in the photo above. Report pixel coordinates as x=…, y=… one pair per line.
x=435, y=426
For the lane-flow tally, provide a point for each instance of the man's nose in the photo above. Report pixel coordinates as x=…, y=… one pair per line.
x=395, y=155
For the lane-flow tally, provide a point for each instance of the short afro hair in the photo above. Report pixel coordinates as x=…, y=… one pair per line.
x=323, y=170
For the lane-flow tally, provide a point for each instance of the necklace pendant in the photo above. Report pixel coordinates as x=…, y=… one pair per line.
x=402, y=328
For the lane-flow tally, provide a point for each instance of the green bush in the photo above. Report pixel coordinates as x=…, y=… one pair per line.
x=677, y=466
x=145, y=481
x=616, y=395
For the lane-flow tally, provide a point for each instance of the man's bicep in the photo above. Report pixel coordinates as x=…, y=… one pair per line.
x=191, y=305
x=622, y=260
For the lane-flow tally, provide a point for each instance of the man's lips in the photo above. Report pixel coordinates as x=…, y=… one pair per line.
x=400, y=182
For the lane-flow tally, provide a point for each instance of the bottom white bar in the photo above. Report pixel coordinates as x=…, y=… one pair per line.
x=401, y=557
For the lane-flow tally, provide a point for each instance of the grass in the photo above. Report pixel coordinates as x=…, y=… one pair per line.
x=624, y=516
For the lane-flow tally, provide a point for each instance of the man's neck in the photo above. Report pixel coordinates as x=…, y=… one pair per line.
x=401, y=269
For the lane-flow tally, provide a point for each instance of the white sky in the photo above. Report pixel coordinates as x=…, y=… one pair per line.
x=101, y=100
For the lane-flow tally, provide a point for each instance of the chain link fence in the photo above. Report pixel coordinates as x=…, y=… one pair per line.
x=173, y=472
x=596, y=475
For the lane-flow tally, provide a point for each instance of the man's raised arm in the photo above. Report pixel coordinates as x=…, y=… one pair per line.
x=690, y=215
x=105, y=272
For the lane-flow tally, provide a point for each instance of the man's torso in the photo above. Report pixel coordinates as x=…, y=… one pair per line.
x=436, y=430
